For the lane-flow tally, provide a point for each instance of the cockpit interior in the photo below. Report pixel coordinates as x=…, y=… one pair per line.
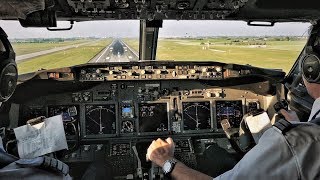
x=112, y=111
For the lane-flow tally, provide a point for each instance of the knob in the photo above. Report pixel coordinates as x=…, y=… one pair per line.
x=146, y=72
x=217, y=94
x=192, y=71
x=86, y=98
x=165, y=92
x=86, y=147
x=174, y=73
x=114, y=72
x=155, y=93
x=99, y=147
x=161, y=71
x=83, y=71
x=209, y=94
x=186, y=92
x=204, y=69
x=133, y=73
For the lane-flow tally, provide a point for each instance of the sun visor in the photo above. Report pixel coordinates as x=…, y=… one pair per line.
x=13, y=9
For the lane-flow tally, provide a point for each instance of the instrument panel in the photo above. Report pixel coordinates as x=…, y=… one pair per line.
x=109, y=119
x=131, y=72
x=115, y=109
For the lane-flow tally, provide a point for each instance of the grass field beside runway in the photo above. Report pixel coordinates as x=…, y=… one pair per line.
x=22, y=48
x=65, y=58
x=278, y=54
x=133, y=43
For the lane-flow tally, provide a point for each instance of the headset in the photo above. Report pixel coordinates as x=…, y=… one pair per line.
x=8, y=68
x=310, y=64
x=310, y=67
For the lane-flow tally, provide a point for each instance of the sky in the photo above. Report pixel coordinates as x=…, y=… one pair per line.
x=171, y=28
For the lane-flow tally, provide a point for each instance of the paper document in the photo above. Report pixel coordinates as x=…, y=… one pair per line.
x=42, y=138
x=258, y=125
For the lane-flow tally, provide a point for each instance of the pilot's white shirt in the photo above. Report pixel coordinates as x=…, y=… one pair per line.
x=269, y=159
x=315, y=109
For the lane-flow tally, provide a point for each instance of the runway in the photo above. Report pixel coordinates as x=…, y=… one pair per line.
x=26, y=57
x=117, y=51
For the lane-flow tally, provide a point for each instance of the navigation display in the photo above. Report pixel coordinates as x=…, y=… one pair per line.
x=196, y=115
x=100, y=119
x=153, y=117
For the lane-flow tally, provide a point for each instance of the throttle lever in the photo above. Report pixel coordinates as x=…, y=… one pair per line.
x=139, y=169
x=283, y=104
x=225, y=124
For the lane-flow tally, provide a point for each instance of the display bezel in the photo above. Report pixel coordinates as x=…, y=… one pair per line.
x=252, y=101
x=69, y=105
x=123, y=119
x=138, y=118
x=85, y=135
x=69, y=137
x=243, y=104
x=200, y=130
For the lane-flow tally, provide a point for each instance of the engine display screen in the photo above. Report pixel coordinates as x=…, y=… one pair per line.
x=153, y=117
x=231, y=110
x=227, y=111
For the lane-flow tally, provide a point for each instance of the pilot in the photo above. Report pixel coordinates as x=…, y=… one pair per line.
x=269, y=159
x=314, y=91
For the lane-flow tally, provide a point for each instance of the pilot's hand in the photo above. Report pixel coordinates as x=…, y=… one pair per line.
x=159, y=151
x=290, y=115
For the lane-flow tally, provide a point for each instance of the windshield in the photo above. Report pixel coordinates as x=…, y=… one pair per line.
x=118, y=41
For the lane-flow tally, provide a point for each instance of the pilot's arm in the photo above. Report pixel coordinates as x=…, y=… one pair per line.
x=159, y=151
x=269, y=159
